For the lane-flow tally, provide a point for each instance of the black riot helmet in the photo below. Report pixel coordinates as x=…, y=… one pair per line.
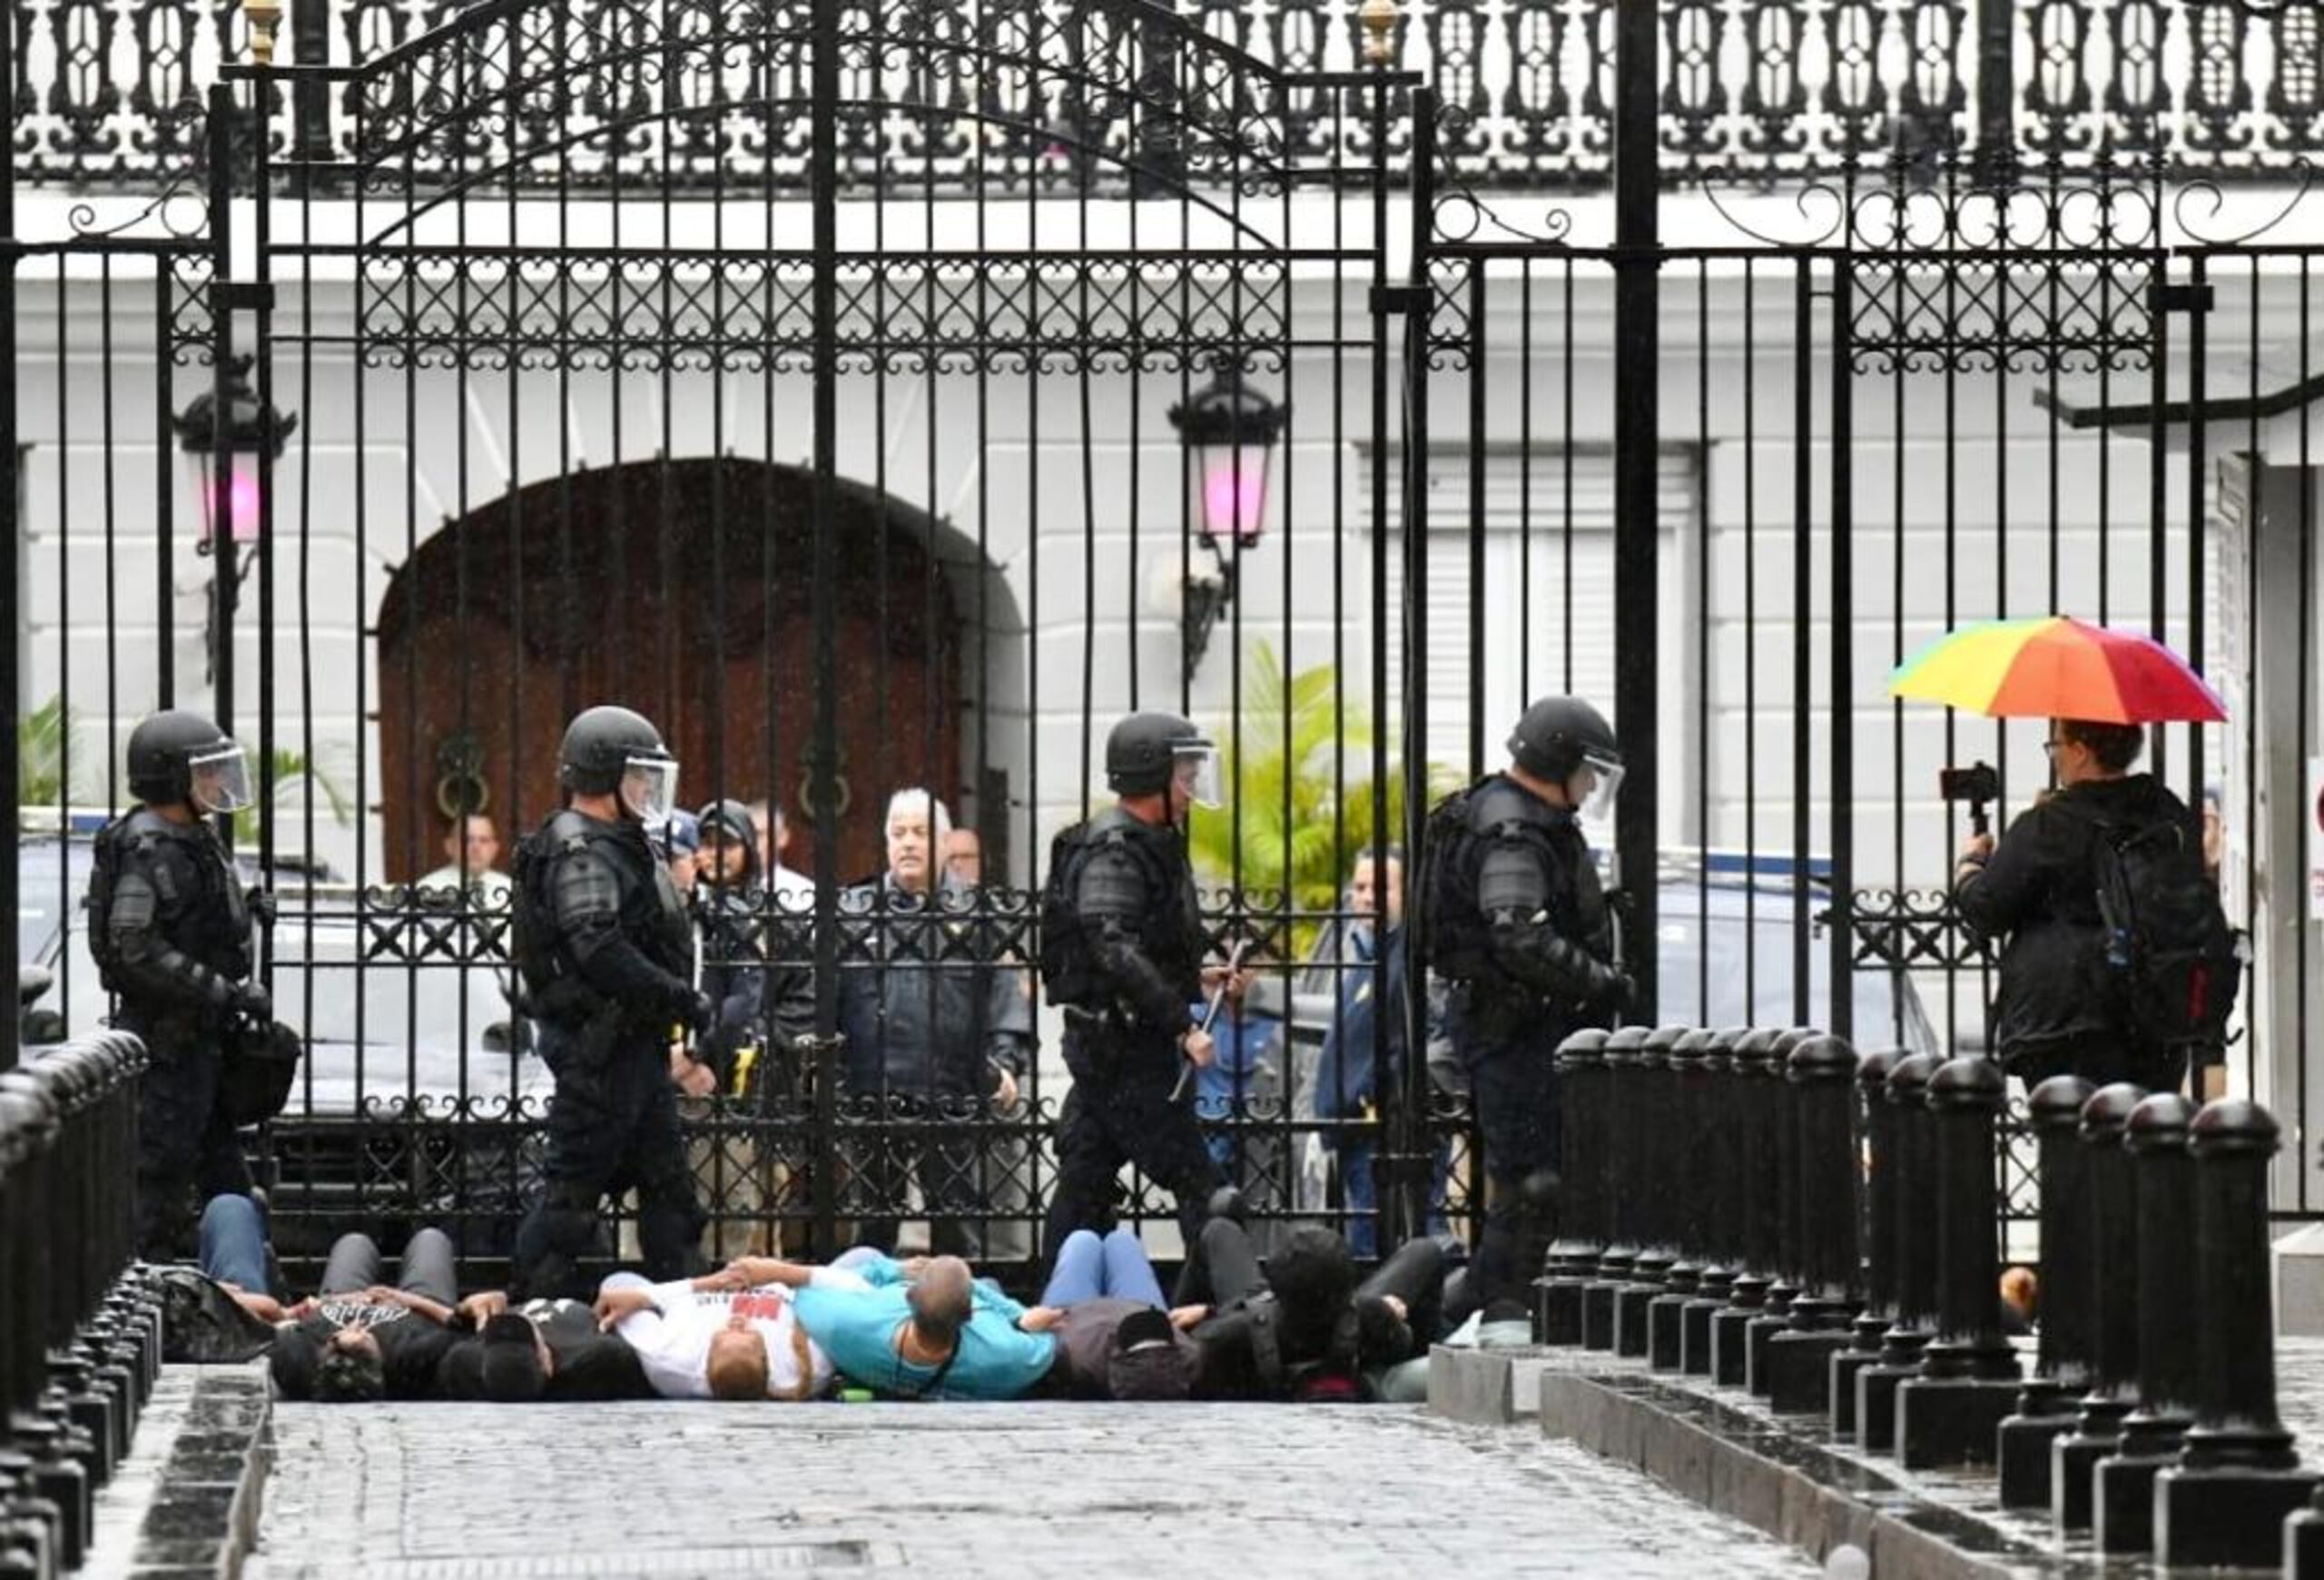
x=1558, y=736
x=175, y=755
x=1146, y=751
x=612, y=749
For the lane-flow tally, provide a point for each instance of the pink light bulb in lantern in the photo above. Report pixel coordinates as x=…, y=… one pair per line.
x=241, y=504
x=1233, y=497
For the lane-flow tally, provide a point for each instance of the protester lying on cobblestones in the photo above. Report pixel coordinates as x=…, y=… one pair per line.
x=1118, y=1339
x=551, y=1351
x=223, y=1310
x=1301, y=1327
x=730, y=1335
x=359, y=1339
x=928, y=1329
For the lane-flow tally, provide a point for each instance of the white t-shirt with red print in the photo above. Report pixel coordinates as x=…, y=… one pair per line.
x=673, y=1342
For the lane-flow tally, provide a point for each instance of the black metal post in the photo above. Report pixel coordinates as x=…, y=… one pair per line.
x=823, y=162
x=1623, y=1053
x=2046, y=1405
x=2112, y=1246
x=1916, y=1186
x=1637, y=595
x=2238, y=1479
x=2162, y=1173
x=1689, y=1185
x=1952, y=1413
x=1581, y=1223
x=1752, y=1119
x=311, y=100
x=1822, y=1072
x=1995, y=159
x=1716, y=1150
x=1876, y=1142
x=11, y=613
x=1779, y=1180
x=1647, y=1112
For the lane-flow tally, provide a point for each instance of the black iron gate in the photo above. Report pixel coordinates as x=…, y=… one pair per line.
x=825, y=380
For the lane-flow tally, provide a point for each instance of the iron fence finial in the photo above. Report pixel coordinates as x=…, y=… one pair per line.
x=264, y=16
x=1379, y=18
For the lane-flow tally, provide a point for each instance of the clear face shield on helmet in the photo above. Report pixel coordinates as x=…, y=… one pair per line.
x=1195, y=768
x=1593, y=787
x=220, y=777
x=649, y=789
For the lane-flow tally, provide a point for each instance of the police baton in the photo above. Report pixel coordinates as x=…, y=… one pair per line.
x=1209, y=1017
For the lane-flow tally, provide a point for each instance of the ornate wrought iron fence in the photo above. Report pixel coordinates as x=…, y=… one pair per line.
x=111, y=91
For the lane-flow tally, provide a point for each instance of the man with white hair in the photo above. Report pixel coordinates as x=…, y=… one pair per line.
x=936, y=1030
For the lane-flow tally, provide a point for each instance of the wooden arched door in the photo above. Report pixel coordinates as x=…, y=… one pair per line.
x=679, y=589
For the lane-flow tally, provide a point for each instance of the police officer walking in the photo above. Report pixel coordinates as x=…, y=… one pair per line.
x=1518, y=923
x=170, y=930
x=1122, y=950
x=606, y=949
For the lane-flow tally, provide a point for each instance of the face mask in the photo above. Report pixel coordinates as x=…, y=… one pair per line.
x=1597, y=802
x=1196, y=768
x=221, y=778
x=649, y=789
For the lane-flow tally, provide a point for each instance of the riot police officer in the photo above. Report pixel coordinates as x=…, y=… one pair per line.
x=606, y=949
x=1518, y=923
x=170, y=930
x=1122, y=950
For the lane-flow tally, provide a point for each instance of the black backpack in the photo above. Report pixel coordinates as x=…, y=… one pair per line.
x=104, y=877
x=2169, y=962
x=530, y=913
x=1068, y=974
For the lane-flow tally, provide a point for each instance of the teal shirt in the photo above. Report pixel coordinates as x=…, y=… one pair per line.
x=857, y=1329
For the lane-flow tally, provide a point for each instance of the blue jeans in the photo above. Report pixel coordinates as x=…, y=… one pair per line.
x=234, y=1243
x=1088, y=1267
x=1360, y=1195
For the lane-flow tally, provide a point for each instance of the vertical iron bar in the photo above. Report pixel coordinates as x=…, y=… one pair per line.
x=1840, y=935
x=823, y=162
x=1637, y=353
x=222, y=581
x=1803, y=609
x=11, y=481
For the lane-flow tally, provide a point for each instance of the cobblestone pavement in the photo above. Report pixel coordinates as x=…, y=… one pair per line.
x=419, y=1492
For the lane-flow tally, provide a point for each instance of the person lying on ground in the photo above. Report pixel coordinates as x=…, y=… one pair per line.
x=360, y=1340
x=927, y=1330
x=1302, y=1327
x=723, y=1336
x=1117, y=1339
x=547, y=1350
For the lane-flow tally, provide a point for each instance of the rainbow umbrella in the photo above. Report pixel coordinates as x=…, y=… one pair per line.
x=2057, y=667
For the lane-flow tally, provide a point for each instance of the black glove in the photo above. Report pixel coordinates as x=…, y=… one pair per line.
x=1617, y=991
x=261, y=904
x=251, y=1002
x=701, y=1015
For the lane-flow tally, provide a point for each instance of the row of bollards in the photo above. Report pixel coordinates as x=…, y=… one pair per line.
x=80, y=1342
x=1768, y=1211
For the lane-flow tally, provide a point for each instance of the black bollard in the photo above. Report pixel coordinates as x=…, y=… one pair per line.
x=1718, y=1147
x=1915, y=1235
x=1655, y=1150
x=1751, y=1122
x=1876, y=1142
x=2304, y=1540
x=1581, y=1218
x=1780, y=1183
x=2112, y=1246
x=1623, y=1116
x=2238, y=1478
x=1951, y=1413
x=2162, y=1173
x=1822, y=1075
x=1690, y=1187
x=2046, y=1405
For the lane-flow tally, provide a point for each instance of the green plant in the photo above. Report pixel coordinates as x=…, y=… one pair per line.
x=1300, y=802
x=45, y=738
x=291, y=768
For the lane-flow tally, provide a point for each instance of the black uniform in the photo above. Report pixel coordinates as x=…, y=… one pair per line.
x=769, y=1003
x=1522, y=931
x=177, y=950
x=602, y=924
x=1132, y=900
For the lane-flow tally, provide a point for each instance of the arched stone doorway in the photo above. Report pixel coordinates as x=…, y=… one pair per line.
x=680, y=589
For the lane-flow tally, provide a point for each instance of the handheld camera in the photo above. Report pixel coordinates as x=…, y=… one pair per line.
x=1978, y=784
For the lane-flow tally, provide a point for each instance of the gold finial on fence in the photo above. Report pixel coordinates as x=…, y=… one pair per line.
x=1379, y=18
x=264, y=16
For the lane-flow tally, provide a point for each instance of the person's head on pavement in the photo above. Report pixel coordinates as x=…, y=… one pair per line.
x=1313, y=1277
x=941, y=1301
x=737, y=1367
x=1149, y=1365
x=515, y=1361
x=350, y=1369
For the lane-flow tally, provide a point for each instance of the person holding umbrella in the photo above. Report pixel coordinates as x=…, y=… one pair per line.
x=2117, y=963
